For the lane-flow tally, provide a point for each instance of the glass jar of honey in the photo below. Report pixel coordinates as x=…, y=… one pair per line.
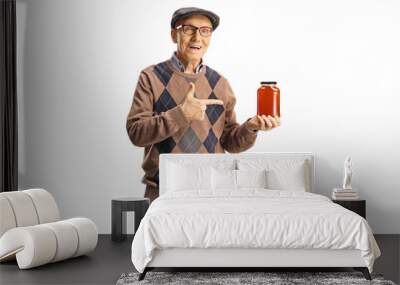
x=268, y=99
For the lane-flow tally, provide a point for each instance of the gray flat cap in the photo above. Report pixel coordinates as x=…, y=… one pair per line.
x=190, y=11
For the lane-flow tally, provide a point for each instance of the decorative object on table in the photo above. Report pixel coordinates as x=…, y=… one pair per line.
x=32, y=233
x=348, y=173
x=248, y=278
x=346, y=192
x=357, y=206
x=119, y=207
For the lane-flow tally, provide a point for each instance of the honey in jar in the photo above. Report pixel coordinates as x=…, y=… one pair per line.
x=268, y=99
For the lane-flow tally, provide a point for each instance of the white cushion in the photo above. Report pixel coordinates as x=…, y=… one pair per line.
x=223, y=179
x=287, y=179
x=87, y=232
x=232, y=180
x=251, y=178
x=67, y=238
x=7, y=220
x=32, y=246
x=23, y=208
x=45, y=205
x=27, y=208
x=188, y=177
x=189, y=160
x=282, y=174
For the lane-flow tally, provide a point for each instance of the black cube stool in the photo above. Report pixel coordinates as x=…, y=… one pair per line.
x=119, y=207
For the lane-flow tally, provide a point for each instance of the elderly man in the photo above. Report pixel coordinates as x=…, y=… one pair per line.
x=183, y=106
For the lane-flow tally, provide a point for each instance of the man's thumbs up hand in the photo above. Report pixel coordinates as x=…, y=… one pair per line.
x=193, y=108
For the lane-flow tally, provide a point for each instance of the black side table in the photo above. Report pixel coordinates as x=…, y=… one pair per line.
x=357, y=206
x=119, y=207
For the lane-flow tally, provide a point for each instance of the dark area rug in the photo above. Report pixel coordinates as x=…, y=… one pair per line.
x=273, y=278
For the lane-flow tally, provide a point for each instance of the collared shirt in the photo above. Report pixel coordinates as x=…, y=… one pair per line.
x=181, y=67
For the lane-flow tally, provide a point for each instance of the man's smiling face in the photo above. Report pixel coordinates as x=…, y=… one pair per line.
x=192, y=47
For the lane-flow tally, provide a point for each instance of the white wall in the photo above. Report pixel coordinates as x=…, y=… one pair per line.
x=337, y=64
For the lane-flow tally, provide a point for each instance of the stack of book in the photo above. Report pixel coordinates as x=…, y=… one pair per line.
x=344, y=194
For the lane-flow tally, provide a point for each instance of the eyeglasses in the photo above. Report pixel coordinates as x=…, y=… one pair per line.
x=191, y=30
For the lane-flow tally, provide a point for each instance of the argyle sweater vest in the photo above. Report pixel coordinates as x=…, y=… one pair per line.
x=157, y=123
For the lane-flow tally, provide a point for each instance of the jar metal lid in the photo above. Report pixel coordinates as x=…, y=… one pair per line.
x=268, y=82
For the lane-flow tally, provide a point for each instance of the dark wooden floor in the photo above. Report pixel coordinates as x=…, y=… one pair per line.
x=111, y=259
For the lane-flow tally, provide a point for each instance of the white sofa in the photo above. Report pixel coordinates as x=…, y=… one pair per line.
x=32, y=233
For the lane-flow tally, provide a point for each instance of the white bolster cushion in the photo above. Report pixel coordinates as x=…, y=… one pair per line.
x=67, y=239
x=45, y=205
x=40, y=244
x=33, y=245
x=87, y=234
x=7, y=218
x=23, y=208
